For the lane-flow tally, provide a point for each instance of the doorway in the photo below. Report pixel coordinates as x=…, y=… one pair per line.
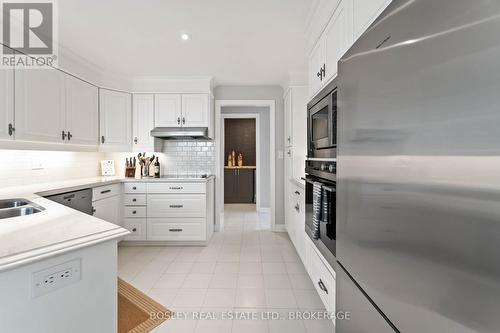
x=240, y=151
x=261, y=114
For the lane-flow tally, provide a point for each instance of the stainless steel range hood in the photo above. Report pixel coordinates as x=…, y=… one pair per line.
x=180, y=133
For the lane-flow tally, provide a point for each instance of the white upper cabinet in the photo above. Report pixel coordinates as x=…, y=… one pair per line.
x=143, y=122
x=332, y=44
x=115, y=120
x=168, y=110
x=299, y=132
x=337, y=39
x=40, y=105
x=195, y=110
x=287, y=103
x=316, y=62
x=365, y=12
x=6, y=104
x=82, y=112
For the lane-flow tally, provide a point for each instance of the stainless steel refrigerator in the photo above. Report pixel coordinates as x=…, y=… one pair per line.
x=418, y=183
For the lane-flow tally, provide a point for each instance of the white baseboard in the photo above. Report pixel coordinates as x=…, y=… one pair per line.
x=264, y=210
x=279, y=228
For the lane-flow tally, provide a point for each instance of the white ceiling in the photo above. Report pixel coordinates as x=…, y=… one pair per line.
x=238, y=42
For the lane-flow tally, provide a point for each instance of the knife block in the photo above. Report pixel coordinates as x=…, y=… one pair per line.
x=130, y=172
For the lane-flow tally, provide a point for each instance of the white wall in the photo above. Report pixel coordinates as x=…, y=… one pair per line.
x=264, y=93
x=264, y=160
x=24, y=167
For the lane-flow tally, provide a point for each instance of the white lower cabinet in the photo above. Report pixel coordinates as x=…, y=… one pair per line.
x=108, y=209
x=137, y=228
x=322, y=276
x=168, y=211
x=171, y=229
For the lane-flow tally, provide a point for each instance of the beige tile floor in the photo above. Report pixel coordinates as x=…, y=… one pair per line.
x=246, y=269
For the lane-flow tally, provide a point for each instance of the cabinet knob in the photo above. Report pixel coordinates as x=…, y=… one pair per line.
x=297, y=192
x=103, y=139
x=134, y=188
x=134, y=212
x=134, y=200
x=297, y=207
x=183, y=120
x=135, y=140
x=179, y=120
x=134, y=229
x=322, y=286
x=63, y=135
x=69, y=136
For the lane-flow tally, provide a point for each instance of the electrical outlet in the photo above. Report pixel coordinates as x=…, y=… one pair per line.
x=56, y=277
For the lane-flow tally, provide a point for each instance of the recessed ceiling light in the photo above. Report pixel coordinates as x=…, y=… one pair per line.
x=185, y=36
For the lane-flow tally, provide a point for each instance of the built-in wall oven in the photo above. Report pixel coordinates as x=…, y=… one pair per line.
x=323, y=234
x=321, y=171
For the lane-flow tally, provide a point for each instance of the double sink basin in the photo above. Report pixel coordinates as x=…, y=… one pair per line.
x=18, y=207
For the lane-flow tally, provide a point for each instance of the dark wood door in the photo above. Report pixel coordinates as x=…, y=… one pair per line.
x=230, y=183
x=245, y=185
x=239, y=186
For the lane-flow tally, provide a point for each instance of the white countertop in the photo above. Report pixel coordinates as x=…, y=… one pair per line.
x=57, y=229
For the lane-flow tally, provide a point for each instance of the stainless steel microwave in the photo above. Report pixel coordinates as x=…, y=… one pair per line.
x=322, y=121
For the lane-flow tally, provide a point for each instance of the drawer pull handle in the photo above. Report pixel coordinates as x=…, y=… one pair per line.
x=105, y=191
x=134, y=188
x=322, y=286
x=134, y=200
x=134, y=229
x=175, y=230
x=297, y=192
x=176, y=206
x=176, y=187
x=297, y=207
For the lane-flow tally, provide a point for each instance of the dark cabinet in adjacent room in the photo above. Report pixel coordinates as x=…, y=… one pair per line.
x=239, y=185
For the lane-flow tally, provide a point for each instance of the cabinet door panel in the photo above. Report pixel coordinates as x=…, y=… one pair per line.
x=337, y=39
x=195, y=110
x=143, y=122
x=39, y=105
x=115, y=118
x=246, y=185
x=82, y=111
x=299, y=132
x=288, y=118
x=108, y=209
x=168, y=110
x=6, y=102
x=230, y=182
x=315, y=64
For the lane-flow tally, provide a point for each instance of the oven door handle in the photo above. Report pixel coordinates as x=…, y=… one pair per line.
x=326, y=187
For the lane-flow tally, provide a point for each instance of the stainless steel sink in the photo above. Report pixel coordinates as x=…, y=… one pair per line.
x=10, y=203
x=18, y=207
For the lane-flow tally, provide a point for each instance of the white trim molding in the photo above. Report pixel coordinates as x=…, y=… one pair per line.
x=219, y=196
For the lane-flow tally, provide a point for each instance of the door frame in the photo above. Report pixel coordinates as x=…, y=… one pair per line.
x=255, y=116
x=219, y=193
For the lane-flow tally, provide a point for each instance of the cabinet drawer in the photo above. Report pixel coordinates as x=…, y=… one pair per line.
x=187, y=188
x=171, y=205
x=103, y=192
x=135, y=187
x=137, y=228
x=134, y=200
x=176, y=229
x=131, y=211
x=322, y=278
